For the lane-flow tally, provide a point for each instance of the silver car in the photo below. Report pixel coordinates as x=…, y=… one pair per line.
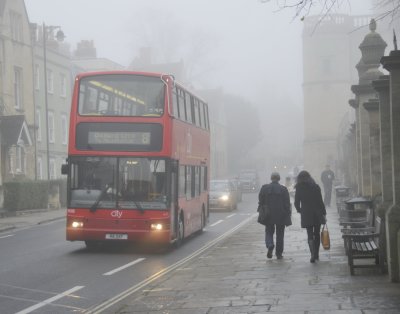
x=223, y=195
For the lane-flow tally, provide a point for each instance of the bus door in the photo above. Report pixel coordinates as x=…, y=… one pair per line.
x=174, y=198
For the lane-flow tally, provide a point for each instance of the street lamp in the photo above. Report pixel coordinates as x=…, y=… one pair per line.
x=47, y=30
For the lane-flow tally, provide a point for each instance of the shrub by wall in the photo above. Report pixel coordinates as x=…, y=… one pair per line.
x=19, y=195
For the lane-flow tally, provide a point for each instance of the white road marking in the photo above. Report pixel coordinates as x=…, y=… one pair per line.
x=107, y=304
x=124, y=266
x=231, y=215
x=7, y=236
x=48, y=301
x=216, y=223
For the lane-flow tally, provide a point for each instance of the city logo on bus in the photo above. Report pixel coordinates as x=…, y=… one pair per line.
x=116, y=214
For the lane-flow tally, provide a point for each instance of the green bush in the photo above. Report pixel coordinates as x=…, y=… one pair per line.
x=20, y=195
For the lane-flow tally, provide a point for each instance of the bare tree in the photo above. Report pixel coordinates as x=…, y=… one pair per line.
x=302, y=8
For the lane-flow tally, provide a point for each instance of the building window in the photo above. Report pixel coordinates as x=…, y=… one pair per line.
x=52, y=169
x=16, y=26
x=64, y=126
x=20, y=159
x=51, y=127
x=37, y=77
x=18, y=88
x=63, y=85
x=39, y=168
x=38, y=126
x=50, y=82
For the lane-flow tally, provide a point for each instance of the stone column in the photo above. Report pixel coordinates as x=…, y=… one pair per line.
x=363, y=92
x=354, y=104
x=372, y=107
x=382, y=87
x=392, y=64
x=372, y=49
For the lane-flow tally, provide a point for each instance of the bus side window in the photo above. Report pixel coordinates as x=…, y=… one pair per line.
x=205, y=178
x=182, y=181
x=207, y=121
x=175, y=104
x=181, y=104
x=196, y=117
x=188, y=106
x=202, y=119
x=188, y=182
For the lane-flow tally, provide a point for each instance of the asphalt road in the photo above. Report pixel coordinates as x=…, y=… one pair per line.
x=40, y=272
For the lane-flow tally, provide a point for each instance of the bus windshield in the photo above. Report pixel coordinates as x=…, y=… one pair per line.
x=121, y=95
x=112, y=182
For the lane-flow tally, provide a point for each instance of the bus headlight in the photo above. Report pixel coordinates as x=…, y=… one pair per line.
x=156, y=226
x=224, y=197
x=77, y=224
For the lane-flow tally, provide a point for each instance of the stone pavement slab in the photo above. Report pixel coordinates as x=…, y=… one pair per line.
x=28, y=218
x=234, y=276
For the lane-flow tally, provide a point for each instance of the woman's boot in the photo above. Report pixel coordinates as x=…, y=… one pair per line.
x=316, y=253
x=311, y=245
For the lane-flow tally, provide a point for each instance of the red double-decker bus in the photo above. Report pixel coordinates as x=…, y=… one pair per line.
x=138, y=159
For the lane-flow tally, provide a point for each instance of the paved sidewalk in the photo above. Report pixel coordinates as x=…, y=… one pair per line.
x=235, y=276
x=28, y=218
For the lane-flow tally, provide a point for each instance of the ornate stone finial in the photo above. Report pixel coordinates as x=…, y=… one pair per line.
x=372, y=25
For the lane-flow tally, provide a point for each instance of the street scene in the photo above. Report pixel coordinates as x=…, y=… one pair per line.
x=199, y=157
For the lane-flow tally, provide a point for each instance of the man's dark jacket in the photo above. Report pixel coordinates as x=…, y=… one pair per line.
x=276, y=197
x=308, y=202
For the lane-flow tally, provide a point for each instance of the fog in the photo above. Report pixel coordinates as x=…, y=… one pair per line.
x=244, y=47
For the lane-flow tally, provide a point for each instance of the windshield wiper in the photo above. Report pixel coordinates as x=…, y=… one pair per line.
x=137, y=204
x=93, y=208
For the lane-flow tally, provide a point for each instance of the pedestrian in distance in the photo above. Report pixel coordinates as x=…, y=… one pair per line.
x=327, y=177
x=276, y=197
x=308, y=202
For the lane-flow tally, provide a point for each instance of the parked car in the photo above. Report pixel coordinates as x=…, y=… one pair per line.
x=223, y=195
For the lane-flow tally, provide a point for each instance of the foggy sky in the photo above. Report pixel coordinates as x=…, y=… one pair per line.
x=249, y=47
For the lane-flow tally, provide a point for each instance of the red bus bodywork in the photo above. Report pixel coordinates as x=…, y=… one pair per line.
x=183, y=144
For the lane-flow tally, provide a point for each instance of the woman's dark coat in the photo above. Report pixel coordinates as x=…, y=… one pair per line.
x=276, y=197
x=308, y=202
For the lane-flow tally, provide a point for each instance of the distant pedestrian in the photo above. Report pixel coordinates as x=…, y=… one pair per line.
x=308, y=202
x=327, y=177
x=276, y=197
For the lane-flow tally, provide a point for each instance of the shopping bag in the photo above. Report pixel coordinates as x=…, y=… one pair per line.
x=263, y=214
x=325, y=240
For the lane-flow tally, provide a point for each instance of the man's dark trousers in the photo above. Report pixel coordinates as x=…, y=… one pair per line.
x=269, y=237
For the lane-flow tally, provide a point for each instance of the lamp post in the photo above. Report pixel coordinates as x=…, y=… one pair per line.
x=60, y=37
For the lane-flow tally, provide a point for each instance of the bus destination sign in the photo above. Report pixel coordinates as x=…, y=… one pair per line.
x=128, y=138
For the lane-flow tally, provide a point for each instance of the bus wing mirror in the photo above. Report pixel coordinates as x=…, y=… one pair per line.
x=64, y=169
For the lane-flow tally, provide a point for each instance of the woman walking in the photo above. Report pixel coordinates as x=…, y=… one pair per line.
x=308, y=202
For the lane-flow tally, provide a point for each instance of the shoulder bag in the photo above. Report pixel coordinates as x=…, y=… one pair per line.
x=263, y=214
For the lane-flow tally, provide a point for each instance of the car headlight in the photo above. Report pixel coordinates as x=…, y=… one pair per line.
x=224, y=197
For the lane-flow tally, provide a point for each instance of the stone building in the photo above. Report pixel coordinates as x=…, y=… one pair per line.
x=329, y=55
x=16, y=92
x=52, y=91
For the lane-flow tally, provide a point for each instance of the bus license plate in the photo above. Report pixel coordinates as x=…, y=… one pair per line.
x=116, y=236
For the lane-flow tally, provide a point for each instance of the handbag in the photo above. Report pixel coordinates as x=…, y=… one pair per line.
x=263, y=214
x=325, y=239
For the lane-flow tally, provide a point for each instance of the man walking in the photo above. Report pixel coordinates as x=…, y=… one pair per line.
x=327, y=177
x=276, y=197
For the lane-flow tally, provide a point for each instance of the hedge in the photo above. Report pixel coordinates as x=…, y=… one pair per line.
x=20, y=195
